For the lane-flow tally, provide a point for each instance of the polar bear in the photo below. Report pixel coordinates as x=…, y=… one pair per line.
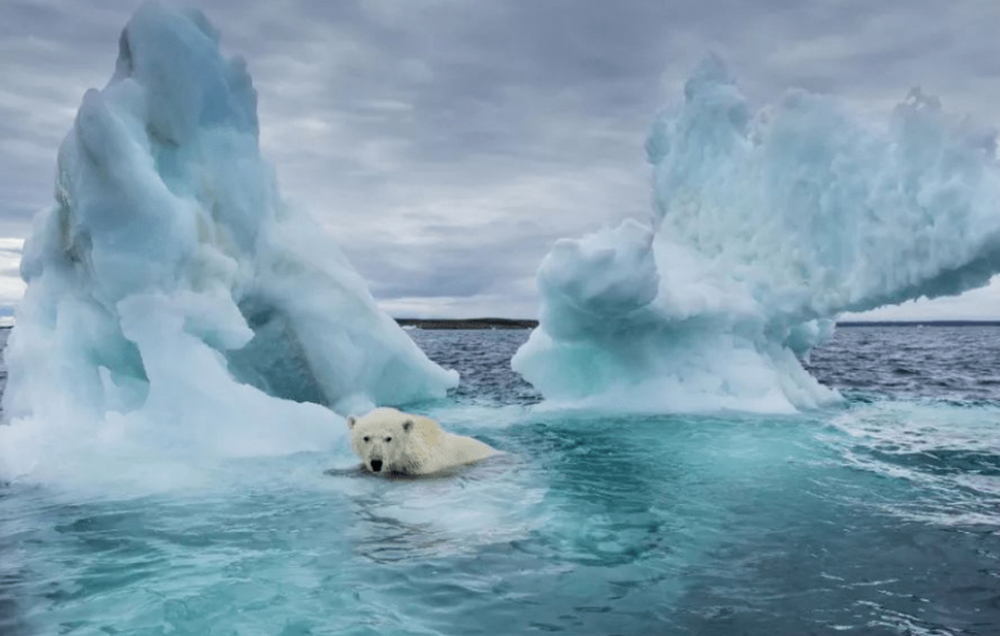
x=392, y=442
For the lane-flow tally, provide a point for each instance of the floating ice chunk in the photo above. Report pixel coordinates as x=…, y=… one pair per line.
x=171, y=284
x=766, y=226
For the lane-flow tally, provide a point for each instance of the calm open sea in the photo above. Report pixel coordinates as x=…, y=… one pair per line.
x=879, y=516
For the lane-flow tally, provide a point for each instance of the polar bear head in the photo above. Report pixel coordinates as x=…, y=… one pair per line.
x=381, y=439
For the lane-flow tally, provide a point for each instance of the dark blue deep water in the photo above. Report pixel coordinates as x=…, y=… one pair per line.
x=878, y=516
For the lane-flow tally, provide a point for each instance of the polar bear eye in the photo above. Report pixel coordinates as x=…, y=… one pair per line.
x=367, y=439
x=388, y=439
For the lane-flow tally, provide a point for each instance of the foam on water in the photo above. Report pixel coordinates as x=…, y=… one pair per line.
x=947, y=451
x=767, y=224
x=175, y=304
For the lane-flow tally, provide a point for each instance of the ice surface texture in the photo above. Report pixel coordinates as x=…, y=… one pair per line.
x=170, y=284
x=766, y=226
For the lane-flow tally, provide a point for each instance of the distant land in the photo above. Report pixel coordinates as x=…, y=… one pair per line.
x=919, y=323
x=514, y=323
x=467, y=323
x=508, y=323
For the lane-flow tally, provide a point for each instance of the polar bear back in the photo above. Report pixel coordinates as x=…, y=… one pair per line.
x=440, y=450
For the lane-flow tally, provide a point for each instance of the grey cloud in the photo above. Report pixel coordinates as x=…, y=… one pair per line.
x=458, y=263
x=447, y=143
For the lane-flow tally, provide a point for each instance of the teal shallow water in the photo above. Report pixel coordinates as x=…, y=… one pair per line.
x=878, y=517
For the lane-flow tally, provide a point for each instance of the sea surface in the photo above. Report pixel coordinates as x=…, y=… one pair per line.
x=878, y=516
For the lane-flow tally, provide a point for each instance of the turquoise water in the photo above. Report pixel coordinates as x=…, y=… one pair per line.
x=881, y=516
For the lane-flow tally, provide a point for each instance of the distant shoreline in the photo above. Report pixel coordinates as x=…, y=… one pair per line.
x=919, y=323
x=515, y=323
x=507, y=323
x=467, y=323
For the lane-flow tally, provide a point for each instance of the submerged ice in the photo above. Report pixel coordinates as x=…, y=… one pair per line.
x=171, y=293
x=766, y=226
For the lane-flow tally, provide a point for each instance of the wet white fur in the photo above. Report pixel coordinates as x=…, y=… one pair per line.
x=411, y=444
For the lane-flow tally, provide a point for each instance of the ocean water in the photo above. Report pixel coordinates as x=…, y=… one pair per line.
x=879, y=516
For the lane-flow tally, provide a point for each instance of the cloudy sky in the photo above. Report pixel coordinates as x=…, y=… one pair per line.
x=446, y=144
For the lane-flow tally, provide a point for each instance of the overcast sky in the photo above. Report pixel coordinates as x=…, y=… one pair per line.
x=446, y=144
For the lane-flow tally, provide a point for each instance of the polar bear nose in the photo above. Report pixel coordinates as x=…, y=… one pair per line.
x=376, y=465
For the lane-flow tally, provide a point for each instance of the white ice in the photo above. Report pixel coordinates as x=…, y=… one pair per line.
x=766, y=226
x=173, y=300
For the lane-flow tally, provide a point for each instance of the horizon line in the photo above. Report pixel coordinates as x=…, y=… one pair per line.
x=531, y=323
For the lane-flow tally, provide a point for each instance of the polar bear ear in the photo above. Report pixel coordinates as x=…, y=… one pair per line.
x=407, y=425
x=351, y=421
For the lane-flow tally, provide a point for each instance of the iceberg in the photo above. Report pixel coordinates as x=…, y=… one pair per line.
x=170, y=291
x=766, y=225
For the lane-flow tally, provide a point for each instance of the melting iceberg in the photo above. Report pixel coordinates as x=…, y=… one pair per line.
x=171, y=292
x=766, y=226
